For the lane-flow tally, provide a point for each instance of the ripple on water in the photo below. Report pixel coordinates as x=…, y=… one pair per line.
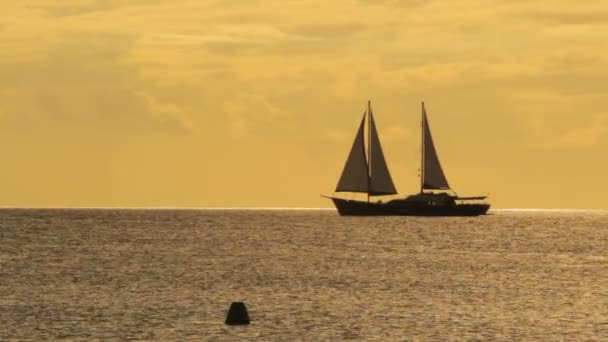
x=305, y=275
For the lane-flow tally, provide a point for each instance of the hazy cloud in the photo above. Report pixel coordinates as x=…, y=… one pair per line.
x=567, y=17
x=328, y=31
x=588, y=135
x=501, y=78
x=62, y=8
x=549, y=132
x=252, y=114
x=397, y=3
x=65, y=10
x=85, y=82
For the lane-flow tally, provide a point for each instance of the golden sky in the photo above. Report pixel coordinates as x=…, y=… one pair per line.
x=256, y=102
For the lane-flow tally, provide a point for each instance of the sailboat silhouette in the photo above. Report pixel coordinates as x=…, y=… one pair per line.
x=368, y=173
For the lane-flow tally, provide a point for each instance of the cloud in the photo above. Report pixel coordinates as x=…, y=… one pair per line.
x=397, y=3
x=167, y=115
x=338, y=136
x=62, y=8
x=326, y=31
x=588, y=135
x=85, y=83
x=252, y=115
x=559, y=133
x=398, y=133
x=497, y=76
x=580, y=16
x=233, y=40
x=59, y=9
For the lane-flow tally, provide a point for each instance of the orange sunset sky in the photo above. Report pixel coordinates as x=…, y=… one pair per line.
x=235, y=103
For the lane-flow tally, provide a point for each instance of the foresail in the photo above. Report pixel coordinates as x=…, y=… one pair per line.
x=433, y=177
x=355, y=174
x=381, y=182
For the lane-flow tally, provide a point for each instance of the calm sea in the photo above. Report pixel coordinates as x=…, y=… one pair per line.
x=305, y=275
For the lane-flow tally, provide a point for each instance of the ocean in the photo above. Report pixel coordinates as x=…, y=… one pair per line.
x=305, y=275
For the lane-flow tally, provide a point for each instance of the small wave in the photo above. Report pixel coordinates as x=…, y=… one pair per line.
x=552, y=210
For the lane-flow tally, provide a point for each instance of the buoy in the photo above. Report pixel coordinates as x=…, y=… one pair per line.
x=237, y=314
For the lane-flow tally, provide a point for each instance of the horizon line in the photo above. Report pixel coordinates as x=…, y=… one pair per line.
x=265, y=208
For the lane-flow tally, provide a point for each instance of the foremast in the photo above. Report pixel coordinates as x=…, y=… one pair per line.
x=366, y=170
x=432, y=176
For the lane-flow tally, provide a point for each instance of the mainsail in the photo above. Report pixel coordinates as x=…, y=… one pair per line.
x=355, y=177
x=433, y=177
x=381, y=182
x=366, y=174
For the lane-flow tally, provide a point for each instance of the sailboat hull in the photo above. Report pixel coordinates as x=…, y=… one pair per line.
x=405, y=207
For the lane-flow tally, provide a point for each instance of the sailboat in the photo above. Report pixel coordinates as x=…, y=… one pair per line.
x=366, y=171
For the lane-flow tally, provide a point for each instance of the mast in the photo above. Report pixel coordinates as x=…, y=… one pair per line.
x=369, y=146
x=422, y=150
x=380, y=181
x=433, y=177
x=359, y=168
x=355, y=175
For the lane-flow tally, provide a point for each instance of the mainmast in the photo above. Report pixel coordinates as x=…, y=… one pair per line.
x=369, y=147
x=432, y=177
x=422, y=150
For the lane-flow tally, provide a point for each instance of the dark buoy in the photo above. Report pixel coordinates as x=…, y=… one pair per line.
x=237, y=314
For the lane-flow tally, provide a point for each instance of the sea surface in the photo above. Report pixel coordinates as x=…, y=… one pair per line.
x=305, y=275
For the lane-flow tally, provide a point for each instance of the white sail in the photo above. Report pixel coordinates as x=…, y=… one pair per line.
x=381, y=182
x=433, y=177
x=355, y=177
